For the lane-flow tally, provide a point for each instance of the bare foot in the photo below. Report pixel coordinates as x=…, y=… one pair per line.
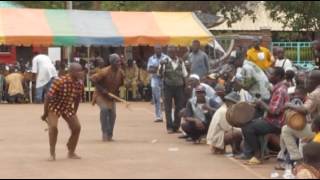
x=73, y=156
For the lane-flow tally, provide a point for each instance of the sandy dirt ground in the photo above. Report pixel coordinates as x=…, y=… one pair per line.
x=142, y=149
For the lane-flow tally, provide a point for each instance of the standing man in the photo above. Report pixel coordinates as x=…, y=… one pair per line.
x=199, y=60
x=173, y=72
x=282, y=61
x=156, y=84
x=45, y=71
x=63, y=100
x=108, y=80
x=259, y=55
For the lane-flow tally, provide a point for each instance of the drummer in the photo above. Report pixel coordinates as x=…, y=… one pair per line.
x=274, y=120
x=311, y=106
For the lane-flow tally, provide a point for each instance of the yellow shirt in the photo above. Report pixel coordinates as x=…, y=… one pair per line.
x=14, y=82
x=316, y=139
x=262, y=58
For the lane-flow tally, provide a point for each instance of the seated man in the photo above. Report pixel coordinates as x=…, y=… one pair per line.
x=273, y=121
x=197, y=116
x=14, y=87
x=144, y=84
x=311, y=106
x=290, y=152
x=131, y=80
x=221, y=133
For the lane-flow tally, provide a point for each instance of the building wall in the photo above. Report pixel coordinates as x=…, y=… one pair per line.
x=8, y=58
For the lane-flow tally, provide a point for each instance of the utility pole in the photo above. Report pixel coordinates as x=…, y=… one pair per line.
x=69, y=48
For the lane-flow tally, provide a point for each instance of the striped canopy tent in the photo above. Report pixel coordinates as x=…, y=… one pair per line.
x=77, y=27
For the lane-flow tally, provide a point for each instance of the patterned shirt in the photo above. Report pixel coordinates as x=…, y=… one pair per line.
x=277, y=103
x=253, y=77
x=63, y=94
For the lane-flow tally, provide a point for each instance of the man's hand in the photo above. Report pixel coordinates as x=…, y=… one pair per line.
x=207, y=108
x=289, y=106
x=307, y=139
x=189, y=119
x=44, y=117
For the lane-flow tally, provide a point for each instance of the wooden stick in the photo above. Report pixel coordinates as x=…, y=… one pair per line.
x=119, y=99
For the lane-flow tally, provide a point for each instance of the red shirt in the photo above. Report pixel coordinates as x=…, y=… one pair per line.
x=278, y=100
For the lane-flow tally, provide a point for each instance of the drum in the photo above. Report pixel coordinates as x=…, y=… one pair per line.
x=295, y=120
x=240, y=114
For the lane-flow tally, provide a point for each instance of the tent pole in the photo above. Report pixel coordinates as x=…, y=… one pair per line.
x=88, y=75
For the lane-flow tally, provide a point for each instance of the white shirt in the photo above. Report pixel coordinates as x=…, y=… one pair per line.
x=218, y=126
x=43, y=66
x=286, y=64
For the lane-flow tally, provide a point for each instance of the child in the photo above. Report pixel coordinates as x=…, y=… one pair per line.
x=309, y=169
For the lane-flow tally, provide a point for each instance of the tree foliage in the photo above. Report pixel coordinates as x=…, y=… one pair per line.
x=298, y=15
x=231, y=10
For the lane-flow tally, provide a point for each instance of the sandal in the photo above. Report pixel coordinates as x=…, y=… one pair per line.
x=253, y=161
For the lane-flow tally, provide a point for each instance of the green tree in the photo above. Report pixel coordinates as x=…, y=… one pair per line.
x=298, y=15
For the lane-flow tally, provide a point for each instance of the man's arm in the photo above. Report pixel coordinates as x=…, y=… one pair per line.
x=184, y=70
x=95, y=79
x=275, y=106
x=51, y=94
x=76, y=105
x=34, y=69
x=297, y=108
x=206, y=63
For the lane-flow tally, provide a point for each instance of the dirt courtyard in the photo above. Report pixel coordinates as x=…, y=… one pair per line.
x=142, y=149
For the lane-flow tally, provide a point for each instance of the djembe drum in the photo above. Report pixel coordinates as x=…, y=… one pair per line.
x=240, y=114
x=295, y=120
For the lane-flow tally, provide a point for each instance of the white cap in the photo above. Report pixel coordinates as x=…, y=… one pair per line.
x=195, y=76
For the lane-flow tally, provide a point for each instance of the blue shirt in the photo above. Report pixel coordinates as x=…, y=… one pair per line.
x=154, y=61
